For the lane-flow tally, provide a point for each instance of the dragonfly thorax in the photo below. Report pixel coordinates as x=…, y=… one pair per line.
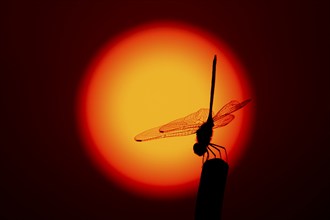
x=204, y=136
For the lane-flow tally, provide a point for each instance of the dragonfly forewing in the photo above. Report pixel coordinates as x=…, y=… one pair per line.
x=223, y=121
x=154, y=133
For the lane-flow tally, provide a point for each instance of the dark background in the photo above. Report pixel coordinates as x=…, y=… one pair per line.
x=45, y=49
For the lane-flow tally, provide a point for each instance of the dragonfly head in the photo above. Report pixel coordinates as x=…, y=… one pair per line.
x=199, y=149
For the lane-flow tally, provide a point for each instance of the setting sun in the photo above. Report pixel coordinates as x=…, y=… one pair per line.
x=148, y=77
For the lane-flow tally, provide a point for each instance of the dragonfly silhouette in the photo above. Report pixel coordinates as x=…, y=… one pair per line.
x=201, y=122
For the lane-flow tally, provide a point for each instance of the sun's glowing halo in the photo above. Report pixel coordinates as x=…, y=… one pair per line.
x=148, y=77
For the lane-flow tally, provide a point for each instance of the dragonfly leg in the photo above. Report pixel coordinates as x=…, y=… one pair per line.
x=215, y=146
x=211, y=151
x=208, y=155
x=216, y=149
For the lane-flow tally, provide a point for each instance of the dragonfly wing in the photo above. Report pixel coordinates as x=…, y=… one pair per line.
x=154, y=133
x=223, y=121
x=192, y=121
x=229, y=108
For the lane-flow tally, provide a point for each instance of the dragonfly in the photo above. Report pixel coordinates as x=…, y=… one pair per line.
x=201, y=123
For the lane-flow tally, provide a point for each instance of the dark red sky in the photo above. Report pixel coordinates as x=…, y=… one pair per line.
x=45, y=48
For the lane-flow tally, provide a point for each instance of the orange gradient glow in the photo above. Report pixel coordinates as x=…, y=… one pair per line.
x=150, y=76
